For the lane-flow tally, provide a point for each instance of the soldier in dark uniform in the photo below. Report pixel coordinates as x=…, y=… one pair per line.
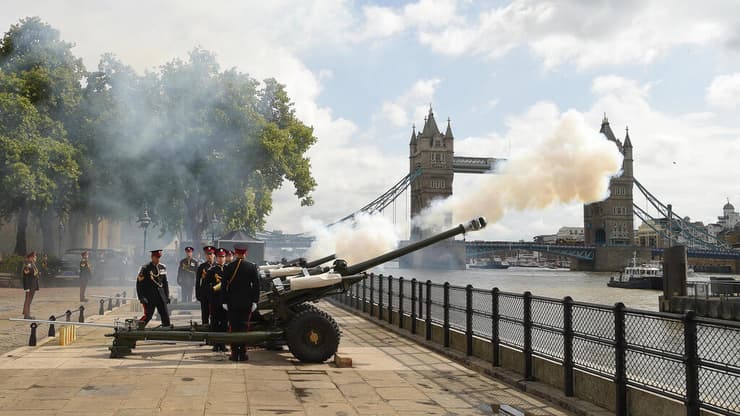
x=242, y=289
x=186, y=275
x=153, y=291
x=201, y=294
x=214, y=276
x=30, y=282
x=229, y=256
x=86, y=270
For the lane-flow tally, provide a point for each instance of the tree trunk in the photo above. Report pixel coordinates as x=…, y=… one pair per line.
x=96, y=232
x=20, y=236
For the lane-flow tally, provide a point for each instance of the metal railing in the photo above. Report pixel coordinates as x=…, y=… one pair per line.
x=713, y=288
x=683, y=357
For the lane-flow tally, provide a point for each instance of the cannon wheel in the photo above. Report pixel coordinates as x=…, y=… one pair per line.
x=312, y=335
x=304, y=307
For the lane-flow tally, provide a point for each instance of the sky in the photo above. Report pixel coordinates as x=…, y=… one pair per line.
x=362, y=72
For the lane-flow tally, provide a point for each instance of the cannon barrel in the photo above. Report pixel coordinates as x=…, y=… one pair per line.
x=319, y=262
x=473, y=225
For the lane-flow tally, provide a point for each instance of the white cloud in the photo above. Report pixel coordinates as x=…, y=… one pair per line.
x=412, y=105
x=724, y=91
x=587, y=34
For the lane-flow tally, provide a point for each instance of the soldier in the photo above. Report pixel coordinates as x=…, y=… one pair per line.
x=30, y=282
x=242, y=287
x=200, y=278
x=213, y=283
x=229, y=256
x=86, y=270
x=186, y=275
x=153, y=291
x=45, y=273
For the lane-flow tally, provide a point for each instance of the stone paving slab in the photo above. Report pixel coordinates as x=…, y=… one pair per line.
x=391, y=376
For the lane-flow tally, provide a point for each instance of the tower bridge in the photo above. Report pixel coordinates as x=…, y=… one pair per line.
x=609, y=241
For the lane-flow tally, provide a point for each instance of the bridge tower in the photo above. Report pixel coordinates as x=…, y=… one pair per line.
x=611, y=222
x=433, y=152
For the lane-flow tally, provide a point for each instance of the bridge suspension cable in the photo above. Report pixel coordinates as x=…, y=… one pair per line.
x=692, y=234
x=388, y=197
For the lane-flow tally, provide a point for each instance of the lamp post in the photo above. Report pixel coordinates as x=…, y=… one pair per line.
x=61, y=231
x=214, y=223
x=144, y=222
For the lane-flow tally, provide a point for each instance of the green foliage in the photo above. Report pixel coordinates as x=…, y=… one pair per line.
x=12, y=264
x=188, y=141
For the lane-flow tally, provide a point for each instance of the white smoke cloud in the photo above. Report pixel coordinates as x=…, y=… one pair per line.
x=571, y=164
x=354, y=241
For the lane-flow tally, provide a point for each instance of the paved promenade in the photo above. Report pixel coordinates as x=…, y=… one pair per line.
x=391, y=376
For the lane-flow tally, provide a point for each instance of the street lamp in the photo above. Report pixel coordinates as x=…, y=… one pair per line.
x=214, y=223
x=144, y=222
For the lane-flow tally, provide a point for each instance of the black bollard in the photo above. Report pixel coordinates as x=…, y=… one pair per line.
x=52, y=330
x=110, y=304
x=102, y=307
x=82, y=314
x=124, y=297
x=32, y=338
x=68, y=315
x=118, y=300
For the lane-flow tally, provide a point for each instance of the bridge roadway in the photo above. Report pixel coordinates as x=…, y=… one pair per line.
x=481, y=248
x=391, y=376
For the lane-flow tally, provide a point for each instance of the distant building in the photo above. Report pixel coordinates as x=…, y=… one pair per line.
x=546, y=239
x=611, y=222
x=569, y=235
x=729, y=217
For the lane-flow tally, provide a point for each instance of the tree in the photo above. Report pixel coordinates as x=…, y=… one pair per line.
x=40, y=68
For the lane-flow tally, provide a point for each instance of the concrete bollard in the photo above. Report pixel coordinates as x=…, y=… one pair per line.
x=82, y=314
x=32, y=338
x=102, y=307
x=52, y=330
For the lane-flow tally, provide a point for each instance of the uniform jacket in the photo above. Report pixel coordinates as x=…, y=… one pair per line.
x=30, y=276
x=85, y=269
x=241, y=284
x=186, y=272
x=214, y=276
x=151, y=284
x=200, y=277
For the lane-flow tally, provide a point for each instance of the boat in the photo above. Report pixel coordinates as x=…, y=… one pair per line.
x=493, y=264
x=634, y=276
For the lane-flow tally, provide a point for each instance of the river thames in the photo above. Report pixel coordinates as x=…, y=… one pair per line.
x=555, y=283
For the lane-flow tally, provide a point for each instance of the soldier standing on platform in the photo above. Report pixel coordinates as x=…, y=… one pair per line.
x=214, y=277
x=86, y=269
x=153, y=291
x=201, y=294
x=30, y=282
x=186, y=275
x=242, y=287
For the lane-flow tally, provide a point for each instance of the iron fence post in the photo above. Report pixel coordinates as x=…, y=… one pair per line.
x=495, y=341
x=420, y=297
x=428, y=322
x=110, y=303
x=446, y=306
x=118, y=300
x=68, y=315
x=691, y=361
x=364, y=296
x=52, y=330
x=357, y=296
x=102, y=307
x=469, y=320
x=568, y=346
x=390, y=299
x=620, y=360
x=32, y=338
x=413, y=306
x=527, y=315
x=81, y=318
x=380, y=297
x=372, y=294
x=400, y=302
x=123, y=301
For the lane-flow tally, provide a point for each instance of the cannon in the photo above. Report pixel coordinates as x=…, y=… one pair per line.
x=287, y=315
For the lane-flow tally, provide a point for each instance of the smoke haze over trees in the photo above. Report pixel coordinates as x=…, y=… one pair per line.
x=189, y=141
